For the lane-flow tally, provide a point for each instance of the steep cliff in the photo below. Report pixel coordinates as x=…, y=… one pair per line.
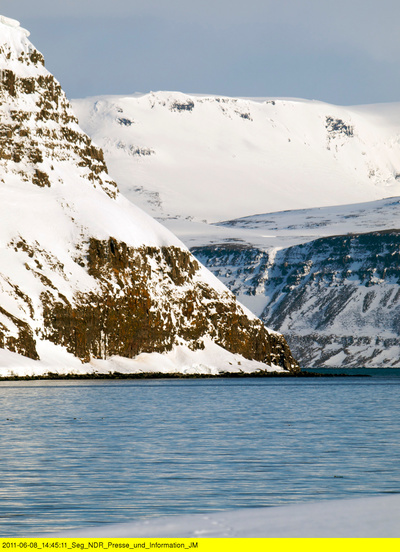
x=81, y=268
x=336, y=299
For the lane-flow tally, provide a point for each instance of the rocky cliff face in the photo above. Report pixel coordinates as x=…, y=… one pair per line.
x=151, y=299
x=82, y=268
x=336, y=299
x=38, y=129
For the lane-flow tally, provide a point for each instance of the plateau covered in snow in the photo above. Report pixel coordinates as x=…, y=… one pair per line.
x=217, y=158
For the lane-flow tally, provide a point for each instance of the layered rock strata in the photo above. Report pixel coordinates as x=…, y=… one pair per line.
x=336, y=299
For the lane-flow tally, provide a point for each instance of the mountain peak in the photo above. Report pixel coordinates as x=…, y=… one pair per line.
x=14, y=24
x=38, y=128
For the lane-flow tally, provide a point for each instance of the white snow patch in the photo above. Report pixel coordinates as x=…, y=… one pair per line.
x=371, y=517
x=212, y=360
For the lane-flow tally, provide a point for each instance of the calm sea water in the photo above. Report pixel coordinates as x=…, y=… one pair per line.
x=84, y=453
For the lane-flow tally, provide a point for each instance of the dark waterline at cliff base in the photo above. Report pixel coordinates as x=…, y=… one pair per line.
x=379, y=372
x=318, y=373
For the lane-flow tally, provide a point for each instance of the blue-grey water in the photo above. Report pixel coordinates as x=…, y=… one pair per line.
x=83, y=453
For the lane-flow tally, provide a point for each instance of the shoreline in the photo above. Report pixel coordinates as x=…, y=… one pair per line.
x=51, y=376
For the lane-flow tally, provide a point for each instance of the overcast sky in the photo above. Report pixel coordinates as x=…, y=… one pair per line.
x=339, y=51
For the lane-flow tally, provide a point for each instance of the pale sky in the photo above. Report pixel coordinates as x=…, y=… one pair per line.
x=339, y=51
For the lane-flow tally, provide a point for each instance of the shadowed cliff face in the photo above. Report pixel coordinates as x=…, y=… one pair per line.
x=336, y=299
x=63, y=278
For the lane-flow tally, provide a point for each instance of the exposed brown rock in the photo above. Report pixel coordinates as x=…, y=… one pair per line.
x=24, y=343
x=41, y=179
x=64, y=142
x=139, y=310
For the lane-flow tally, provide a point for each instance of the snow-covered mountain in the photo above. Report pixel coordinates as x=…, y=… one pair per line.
x=217, y=158
x=208, y=164
x=86, y=275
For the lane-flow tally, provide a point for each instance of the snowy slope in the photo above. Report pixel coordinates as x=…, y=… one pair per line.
x=81, y=268
x=217, y=158
x=271, y=231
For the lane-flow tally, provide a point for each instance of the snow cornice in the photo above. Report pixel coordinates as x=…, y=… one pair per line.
x=8, y=22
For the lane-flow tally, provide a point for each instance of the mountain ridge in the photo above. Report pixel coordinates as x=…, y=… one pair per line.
x=191, y=151
x=336, y=298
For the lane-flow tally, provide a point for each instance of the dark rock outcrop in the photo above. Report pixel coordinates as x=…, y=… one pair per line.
x=139, y=309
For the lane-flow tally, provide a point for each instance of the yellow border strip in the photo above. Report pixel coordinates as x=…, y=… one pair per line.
x=203, y=545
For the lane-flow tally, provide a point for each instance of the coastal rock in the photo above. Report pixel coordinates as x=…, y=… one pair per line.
x=81, y=267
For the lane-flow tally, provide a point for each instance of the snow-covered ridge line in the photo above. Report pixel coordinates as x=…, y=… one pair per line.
x=243, y=156
x=302, y=225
